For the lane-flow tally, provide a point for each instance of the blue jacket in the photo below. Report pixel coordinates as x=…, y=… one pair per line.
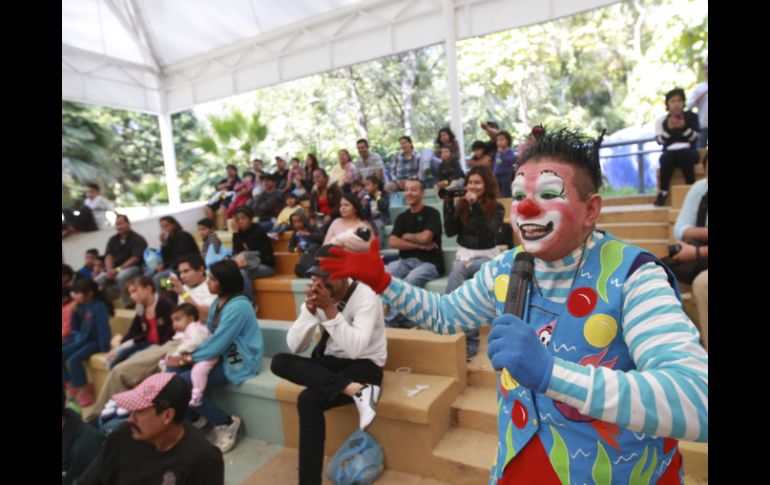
x=91, y=323
x=237, y=339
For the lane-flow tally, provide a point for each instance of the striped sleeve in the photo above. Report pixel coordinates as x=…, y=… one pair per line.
x=661, y=135
x=470, y=306
x=667, y=394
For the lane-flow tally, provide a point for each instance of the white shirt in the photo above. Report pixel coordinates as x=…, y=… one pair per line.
x=99, y=205
x=703, y=105
x=200, y=294
x=358, y=332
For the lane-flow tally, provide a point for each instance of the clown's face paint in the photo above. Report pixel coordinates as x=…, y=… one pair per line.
x=547, y=213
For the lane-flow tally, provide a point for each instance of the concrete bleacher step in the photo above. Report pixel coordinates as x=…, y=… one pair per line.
x=628, y=200
x=475, y=409
x=636, y=230
x=121, y=321
x=467, y=455
x=678, y=177
x=658, y=247
x=285, y=263
x=677, y=195
x=632, y=213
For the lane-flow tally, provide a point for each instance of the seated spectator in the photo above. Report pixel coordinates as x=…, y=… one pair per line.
x=351, y=218
x=480, y=157
x=175, y=242
x=236, y=339
x=224, y=193
x=311, y=165
x=282, y=223
x=67, y=275
x=67, y=304
x=208, y=235
x=447, y=138
x=369, y=163
x=192, y=289
x=123, y=258
x=450, y=174
x=690, y=261
x=257, y=165
x=281, y=174
x=356, y=187
x=296, y=171
x=91, y=257
x=306, y=239
x=346, y=365
x=156, y=445
x=151, y=324
x=344, y=172
x=258, y=174
x=505, y=162
x=476, y=220
x=268, y=204
x=417, y=236
x=406, y=165
x=191, y=334
x=376, y=206
x=243, y=190
x=80, y=443
x=98, y=204
x=252, y=250
x=90, y=334
x=325, y=198
x=678, y=133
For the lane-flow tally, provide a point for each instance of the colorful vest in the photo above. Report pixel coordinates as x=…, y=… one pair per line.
x=586, y=330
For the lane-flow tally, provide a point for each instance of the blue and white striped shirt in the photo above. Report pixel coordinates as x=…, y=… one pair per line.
x=666, y=395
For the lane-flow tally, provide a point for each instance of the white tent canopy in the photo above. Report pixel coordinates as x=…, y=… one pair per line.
x=165, y=56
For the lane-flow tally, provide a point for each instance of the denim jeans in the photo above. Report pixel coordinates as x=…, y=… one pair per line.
x=415, y=272
x=72, y=356
x=213, y=413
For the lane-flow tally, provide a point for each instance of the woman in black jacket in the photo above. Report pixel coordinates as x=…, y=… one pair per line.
x=175, y=243
x=476, y=219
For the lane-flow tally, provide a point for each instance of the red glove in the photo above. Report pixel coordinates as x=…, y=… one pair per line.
x=367, y=267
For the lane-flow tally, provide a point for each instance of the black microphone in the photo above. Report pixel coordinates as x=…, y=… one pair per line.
x=521, y=275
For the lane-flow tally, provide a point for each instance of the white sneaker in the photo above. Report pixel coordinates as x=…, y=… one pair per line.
x=226, y=435
x=366, y=401
x=201, y=422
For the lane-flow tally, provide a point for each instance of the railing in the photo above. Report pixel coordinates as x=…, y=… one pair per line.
x=639, y=153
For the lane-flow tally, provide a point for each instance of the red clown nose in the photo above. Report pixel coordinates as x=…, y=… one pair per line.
x=528, y=208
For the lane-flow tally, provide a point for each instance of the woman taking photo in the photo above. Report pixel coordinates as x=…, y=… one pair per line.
x=475, y=219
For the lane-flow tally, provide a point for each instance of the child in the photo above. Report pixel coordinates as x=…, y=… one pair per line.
x=296, y=171
x=192, y=333
x=90, y=334
x=92, y=255
x=283, y=222
x=307, y=238
x=356, y=187
x=242, y=192
x=208, y=235
x=151, y=324
x=98, y=267
x=376, y=205
x=66, y=313
x=298, y=181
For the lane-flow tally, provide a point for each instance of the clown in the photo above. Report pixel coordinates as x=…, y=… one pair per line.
x=604, y=372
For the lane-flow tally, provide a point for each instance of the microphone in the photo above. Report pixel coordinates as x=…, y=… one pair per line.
x=521, y=275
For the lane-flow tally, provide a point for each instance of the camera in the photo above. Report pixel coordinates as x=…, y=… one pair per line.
x=453, y=192
x=674, y=249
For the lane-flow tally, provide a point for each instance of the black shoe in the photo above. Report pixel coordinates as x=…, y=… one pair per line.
x=660, y=200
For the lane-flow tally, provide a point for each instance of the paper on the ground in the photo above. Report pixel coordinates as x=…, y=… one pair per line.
x=416, y=390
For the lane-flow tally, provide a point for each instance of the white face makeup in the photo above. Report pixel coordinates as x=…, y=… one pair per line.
x=539, y=206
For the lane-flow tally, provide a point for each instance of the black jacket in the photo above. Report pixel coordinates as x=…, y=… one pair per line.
x=480, y=232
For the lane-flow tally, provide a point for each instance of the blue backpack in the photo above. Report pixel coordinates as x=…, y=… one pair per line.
x=212, y=256
x=359, y=461
x=152, y=258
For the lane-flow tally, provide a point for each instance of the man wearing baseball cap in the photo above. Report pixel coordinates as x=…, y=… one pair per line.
x=346, y=365
x=156, y=445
